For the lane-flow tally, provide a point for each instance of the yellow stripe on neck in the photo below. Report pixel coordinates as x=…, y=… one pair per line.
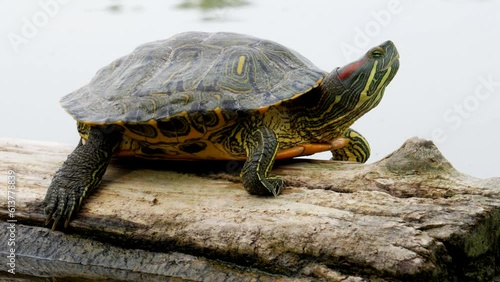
x=368, y=83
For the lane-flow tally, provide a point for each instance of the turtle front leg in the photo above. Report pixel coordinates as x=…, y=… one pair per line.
x=261, y=147
x=352, y=146
x=80, y=174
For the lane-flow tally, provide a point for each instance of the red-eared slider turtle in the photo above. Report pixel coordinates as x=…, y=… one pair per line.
x=220, y=96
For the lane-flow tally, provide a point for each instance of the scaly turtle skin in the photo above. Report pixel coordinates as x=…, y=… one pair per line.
x=220, y=96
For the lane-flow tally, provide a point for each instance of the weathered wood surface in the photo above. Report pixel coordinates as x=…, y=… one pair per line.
x=410, y=216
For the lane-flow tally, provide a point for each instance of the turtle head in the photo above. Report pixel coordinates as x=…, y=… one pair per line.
x=350, y=91
x=361, y=84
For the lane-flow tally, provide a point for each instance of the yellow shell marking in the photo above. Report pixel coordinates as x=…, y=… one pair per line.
x=241, y=63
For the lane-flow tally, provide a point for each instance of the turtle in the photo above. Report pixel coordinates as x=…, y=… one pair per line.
x=217, y=96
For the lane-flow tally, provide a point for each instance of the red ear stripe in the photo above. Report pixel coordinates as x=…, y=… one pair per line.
x=345, y=71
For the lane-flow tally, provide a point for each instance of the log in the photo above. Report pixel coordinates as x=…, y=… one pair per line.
x=408, y=217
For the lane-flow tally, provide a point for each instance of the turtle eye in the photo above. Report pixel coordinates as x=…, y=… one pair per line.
x=377, y=53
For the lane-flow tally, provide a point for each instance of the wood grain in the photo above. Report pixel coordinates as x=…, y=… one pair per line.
x=410, y=216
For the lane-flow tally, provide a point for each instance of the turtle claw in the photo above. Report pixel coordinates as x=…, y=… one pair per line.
x=274, y=186
x=56, y=221
x=79, y=175
x=265, y=187
x=60, y=201
x=57, y=205
x=48, y=219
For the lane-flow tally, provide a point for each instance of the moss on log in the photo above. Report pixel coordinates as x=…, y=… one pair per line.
x=408, y=217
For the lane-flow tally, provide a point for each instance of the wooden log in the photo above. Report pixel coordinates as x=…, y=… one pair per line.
x=410, y=216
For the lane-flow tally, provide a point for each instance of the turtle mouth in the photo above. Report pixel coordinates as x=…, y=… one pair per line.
x=393, y=62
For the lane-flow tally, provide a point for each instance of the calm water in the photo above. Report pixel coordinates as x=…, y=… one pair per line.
x=447, y=89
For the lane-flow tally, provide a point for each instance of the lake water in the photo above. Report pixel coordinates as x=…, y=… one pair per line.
x=447, y=88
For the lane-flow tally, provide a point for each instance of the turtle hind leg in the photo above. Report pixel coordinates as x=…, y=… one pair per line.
x=261, y=146
x=352, y=146
x=80, y=174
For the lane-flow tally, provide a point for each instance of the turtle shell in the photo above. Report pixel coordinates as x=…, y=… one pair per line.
x=193, y=72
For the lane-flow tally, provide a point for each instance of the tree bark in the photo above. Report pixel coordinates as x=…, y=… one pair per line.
x=408, y=217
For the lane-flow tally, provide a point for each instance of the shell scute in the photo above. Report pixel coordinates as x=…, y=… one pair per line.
x=193, y=72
